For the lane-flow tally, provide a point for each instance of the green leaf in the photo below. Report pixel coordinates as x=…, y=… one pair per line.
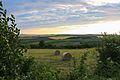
x=11, y=19
x=8, y=19
x=1, y=8
x=5, y=11
x=12, y=16
x=1, y=4
x=1, y=12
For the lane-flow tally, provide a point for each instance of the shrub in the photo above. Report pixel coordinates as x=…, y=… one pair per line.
x=42, y=72
x=13, y=65
x=42, y=44
x=109, y=58
x=79, y=72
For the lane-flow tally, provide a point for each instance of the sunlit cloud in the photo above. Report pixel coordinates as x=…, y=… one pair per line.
x=102, y=2
x=96, y=28
x=55, y=30
x=49, y=14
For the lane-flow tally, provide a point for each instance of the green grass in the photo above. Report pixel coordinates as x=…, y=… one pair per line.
x=48, y=53
x=61, y=40
x=46, y=56
x=59, y=37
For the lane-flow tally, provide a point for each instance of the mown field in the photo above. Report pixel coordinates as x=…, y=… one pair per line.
x=46, y=56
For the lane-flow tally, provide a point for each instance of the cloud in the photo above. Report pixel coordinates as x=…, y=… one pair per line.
x=102, y=2
x=96, y=28
x=52, y=13
x=56, y=30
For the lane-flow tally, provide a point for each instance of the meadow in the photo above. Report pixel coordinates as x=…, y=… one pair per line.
x=47, y=57
x=71, y=42
x=60, y=41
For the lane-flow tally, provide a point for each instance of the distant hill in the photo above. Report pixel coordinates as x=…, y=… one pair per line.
x=61, y=40
x=52, y=35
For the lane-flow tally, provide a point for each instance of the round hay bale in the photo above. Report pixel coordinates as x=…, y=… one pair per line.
x=67, y=56
x=57, y=53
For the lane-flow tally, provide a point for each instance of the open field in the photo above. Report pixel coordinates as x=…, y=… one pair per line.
x=60, y=37
x=46, y=56
x=61, y=41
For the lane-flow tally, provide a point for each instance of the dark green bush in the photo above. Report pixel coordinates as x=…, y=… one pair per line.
x=13, y=65
x=42, y=44
x=109, y=58
x=40, y=71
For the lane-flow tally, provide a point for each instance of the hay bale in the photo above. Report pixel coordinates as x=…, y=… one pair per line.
x=57, y=53
x=67, y=56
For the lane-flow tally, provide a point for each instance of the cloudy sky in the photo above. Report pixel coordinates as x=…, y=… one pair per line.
x=65, y=16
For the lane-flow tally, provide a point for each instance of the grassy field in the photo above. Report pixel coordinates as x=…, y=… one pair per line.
x=46, y=56
x=62, y=40
x=60, y=37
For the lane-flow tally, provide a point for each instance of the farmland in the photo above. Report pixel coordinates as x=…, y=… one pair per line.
x=61, y=41
x=46, y=56
x=85, y=51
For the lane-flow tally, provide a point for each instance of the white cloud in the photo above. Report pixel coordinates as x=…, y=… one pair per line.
x=65, y=12
x=94, y=18
x=84, y=9
x=23, y=12
x=102, y=2
x=96, y=28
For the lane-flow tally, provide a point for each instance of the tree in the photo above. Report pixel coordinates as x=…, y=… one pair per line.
x=13, y=65
x=42, y=44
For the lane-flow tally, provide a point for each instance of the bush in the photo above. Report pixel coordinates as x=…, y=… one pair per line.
x=79, y=72
x=41, y=71
x=109, y=58
x=42, y=44
x=13, y=65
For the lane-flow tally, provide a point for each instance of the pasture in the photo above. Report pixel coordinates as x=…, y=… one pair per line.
x=47, y=57
x=61, y=41
x=60, y=37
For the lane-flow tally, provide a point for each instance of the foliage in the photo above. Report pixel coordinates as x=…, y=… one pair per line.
x=79, y=72
x=109, y=58
x=13, y=65
x=42, y=44
x=42, y=72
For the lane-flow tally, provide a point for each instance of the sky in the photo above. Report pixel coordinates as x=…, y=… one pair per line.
x=65, y=16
